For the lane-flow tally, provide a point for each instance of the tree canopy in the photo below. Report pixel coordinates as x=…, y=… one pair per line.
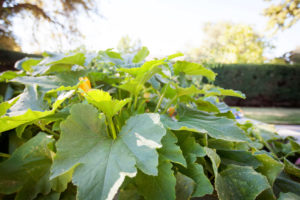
x=60, y=14
x=128, y=45
x=283, y=14
x=230, y=43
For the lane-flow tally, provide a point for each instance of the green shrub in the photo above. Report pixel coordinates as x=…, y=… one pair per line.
x=264, y=85
x=103, y=127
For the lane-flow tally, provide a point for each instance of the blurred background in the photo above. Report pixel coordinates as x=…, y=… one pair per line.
x=253, y=45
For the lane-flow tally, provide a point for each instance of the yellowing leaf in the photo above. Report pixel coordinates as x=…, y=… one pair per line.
x=104, y=102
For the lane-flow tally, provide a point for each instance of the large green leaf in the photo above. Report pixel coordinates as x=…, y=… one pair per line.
x=290, y=168
x=113, y=54
x=27, y=63
x=193, y=69
x=206, y=105
x=270, y=167
x=27, y=170
x=217, y=91
x=237, y=157
x=8, y=75
x=240, y=183
x=192, y=150
x=184, y=187
x=202, y=122
x=60, y=183
x=170, y=151
x=141, y=55
x=288, y=196
x=132, y=86
x=4, y=106
x=31, y=99
x=51, y=196
x=142, y=75
x=190, y=147
x=214, y=158
x=54, y=63
x=284, y=183
x=192, y=90
x=103, y=162
x=176, y=91
x=202, y=183
x=145, y=70
x=76, y=59
x=175, y=55
x=47, y=83
x=10, y=122
x=161, y=186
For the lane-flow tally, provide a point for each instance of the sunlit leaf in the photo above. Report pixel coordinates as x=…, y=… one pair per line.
x=10, y=122
x=175, y=55
x=193, y=69
x=141, y=55
x=102, y=163
x=201, y=122
x=216, y=91
x=104, y=102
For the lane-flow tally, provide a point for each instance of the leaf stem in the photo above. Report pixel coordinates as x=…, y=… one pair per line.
x=44, y=128
x=112, y=128
x=161, y=98
x=135, y=101
x=129, y=105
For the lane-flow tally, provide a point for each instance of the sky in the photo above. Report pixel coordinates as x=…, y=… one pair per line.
x=168, y=26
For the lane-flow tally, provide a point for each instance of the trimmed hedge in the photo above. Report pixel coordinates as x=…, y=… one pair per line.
x=264, y=85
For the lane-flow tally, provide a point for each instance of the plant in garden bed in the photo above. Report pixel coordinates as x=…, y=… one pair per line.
x=109, y=126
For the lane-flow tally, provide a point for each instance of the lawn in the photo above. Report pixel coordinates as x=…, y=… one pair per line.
x=273, y=115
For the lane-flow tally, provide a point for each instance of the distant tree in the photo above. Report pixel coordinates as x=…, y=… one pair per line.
x=293, y=57
x=60, y=14
x=230, y=43
x=283, y=14
x=128, y=45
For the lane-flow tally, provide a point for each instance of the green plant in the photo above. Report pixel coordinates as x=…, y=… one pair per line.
x=264, y=85
x=99, y=127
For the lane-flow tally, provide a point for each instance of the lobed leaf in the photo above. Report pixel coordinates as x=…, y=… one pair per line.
x=102, y=163
x=270, y=167
x=240, y=183
x=184, y=187
x=27, y=170
x=193, y=69
x=29, y=116
x=170, y=151
x=104, y=102
x=161, y=186
x=202, y=122
x=140, y=55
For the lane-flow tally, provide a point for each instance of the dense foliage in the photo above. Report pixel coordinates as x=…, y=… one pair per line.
x=226, y=42
x=283, y=14
x=60, y=15
x=103, y=127
x=281, y=84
